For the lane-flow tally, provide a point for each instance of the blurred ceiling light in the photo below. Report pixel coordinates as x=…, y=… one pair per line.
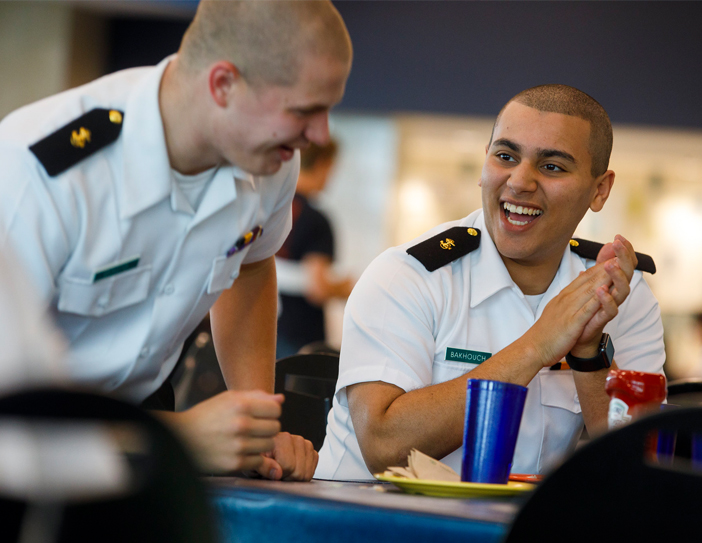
x=418, y=209
x=682, y=223
x=415, y=197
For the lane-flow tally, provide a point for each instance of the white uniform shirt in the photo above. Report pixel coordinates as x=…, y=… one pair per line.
x=125, y=332
x=32, y=351
x=412, y=328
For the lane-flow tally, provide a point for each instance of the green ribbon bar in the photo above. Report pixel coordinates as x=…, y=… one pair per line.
x=463, y=355
x=120, y=267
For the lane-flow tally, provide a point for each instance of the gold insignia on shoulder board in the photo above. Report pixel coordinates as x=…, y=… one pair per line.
x=115, y=117
x=574, y=243
x=472, y=232
x=80, y=137
x=448, y=244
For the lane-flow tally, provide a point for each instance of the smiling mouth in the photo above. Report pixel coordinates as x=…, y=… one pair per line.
x=520, y=215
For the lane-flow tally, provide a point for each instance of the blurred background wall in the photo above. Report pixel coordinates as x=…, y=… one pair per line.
x=427, y=81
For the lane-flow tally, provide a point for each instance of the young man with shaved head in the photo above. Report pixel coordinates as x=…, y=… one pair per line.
x=504, y=294
x=145, y=198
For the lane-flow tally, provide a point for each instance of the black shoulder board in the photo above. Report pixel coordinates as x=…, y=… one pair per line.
x=78, y=140
x=446, y=247
x=590, y=249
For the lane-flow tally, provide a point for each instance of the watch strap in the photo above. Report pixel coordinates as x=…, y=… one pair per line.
x=603, y=358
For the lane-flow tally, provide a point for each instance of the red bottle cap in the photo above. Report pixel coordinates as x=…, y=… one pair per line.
x=636, y=387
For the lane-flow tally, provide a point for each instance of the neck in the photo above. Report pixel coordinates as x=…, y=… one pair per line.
x=182, y=125
x=533, y=277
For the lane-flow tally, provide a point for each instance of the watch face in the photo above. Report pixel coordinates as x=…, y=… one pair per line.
x=607, y=350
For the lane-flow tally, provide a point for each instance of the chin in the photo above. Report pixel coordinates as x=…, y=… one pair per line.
x=270, y=169
x=260, y=167
x=514, y=249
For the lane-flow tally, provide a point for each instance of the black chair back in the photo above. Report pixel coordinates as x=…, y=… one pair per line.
x=308, y=382
x=168, y=504
x=613, y=489
x=685, y=392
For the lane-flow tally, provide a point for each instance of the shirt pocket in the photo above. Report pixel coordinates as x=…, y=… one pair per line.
x=558, y=390
x=94, y=299
x=224, y=271
x=445, y=370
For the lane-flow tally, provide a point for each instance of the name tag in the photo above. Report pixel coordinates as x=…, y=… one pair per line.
x=462, y=355
x=116, y=268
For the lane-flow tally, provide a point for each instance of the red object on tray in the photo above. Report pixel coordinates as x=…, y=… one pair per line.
x=526, y=477
x=633, y=393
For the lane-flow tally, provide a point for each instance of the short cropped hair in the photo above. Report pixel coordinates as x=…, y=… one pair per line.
x=265, y=40
x=314, y=154
x=571, y=101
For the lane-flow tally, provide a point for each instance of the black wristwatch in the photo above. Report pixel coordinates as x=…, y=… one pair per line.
x=603, y=358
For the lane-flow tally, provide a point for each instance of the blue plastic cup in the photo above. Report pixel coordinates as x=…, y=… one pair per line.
x=493, y=414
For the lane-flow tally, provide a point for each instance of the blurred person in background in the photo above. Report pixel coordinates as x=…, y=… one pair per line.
x=304, y=262
x=141, y=200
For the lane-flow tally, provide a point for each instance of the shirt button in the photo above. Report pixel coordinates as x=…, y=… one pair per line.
x=144, y=352
x=102, y=302
x=169, y=290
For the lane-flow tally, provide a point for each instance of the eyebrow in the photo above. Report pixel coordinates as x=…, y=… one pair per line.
x=550, y=153
x=541, y=153
x=509, y=144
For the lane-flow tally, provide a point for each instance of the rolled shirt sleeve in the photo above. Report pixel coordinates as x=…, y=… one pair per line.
x=388, y=332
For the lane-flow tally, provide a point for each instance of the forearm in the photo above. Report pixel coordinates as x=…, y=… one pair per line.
x=244, y=327
x=430, y=418
x=321, y=284
x=594, y=401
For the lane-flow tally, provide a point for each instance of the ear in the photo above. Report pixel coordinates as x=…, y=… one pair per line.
x=222, y=79
x=603, y=186
x=487, y=148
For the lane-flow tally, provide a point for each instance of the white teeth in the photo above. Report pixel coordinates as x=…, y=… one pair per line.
x=518, y=223
x=521, y=210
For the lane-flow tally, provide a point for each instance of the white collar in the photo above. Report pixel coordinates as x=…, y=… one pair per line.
x=489, y=274
x=147, y=170
x=147, y=175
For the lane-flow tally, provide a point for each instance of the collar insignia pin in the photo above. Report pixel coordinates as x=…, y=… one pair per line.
x=80, y=137
x=448, y=244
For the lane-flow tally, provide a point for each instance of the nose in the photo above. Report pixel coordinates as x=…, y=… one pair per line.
x=317, y=130
x=522, y=178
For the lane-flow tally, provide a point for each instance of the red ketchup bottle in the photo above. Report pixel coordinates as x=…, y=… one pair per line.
x=632, y=394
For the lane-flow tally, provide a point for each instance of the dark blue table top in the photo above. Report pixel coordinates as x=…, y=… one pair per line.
x=323, y=511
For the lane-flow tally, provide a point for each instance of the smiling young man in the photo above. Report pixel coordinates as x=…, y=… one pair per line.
x=503, y=294
x=139, y=200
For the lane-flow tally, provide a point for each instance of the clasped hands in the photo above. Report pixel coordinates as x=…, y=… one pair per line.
x=574, y=320
x=239, y=431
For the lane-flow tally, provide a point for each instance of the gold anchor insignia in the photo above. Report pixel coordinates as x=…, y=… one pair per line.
x=115, y=117
x=80, y=137
x=472, y=232
x=574, y=243
x=448, y=244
